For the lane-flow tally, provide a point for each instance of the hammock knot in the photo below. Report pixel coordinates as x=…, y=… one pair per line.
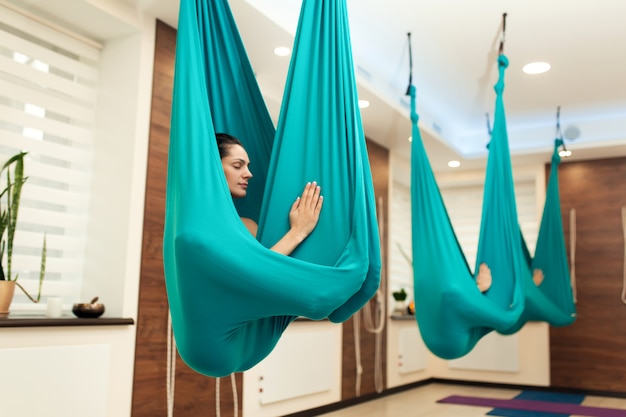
x=503, y=61
x=412, y=92
x=556, y=157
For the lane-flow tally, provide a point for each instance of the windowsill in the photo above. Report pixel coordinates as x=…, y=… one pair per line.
x=306, y=319
x=69, y=321
x=402, y=317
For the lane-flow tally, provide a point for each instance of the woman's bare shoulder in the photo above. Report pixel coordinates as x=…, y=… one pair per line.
x=250, y=225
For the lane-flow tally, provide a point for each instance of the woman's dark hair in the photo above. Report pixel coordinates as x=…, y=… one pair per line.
x=225, y=141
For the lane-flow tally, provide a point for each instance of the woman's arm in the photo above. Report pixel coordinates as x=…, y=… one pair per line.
x=303, y=217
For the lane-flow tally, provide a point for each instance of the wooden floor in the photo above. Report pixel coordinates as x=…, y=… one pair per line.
x=422, y=402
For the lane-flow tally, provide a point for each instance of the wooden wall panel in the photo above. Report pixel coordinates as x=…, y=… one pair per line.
x=589, y=354
x=379, y=162
x=194, y=394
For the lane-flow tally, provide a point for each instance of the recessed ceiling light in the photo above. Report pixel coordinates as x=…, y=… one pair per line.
x=410, y=138
x=282, y=51
x=536, y=68
x=454, y=164
x=363, y=104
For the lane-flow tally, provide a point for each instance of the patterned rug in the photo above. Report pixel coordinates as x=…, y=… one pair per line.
x=539, y=396
x=536, y=408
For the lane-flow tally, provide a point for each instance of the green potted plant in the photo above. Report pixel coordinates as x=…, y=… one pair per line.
x=400, y=298
x=9, y=208
x=399, y=295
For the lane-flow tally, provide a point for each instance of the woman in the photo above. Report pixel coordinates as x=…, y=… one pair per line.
x=304, y=213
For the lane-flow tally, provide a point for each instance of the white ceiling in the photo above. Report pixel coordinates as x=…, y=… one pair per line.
x=455, y=45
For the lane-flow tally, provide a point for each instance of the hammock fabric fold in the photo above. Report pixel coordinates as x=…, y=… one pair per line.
x=452, y=314
x=230, y=297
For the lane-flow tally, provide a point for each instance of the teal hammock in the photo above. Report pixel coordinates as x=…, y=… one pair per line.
x=452, y=314
x=552, y=301
x=230, y=297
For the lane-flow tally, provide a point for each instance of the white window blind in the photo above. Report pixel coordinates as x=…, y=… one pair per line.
x=464, y=205
x=48, y=93
x=400, y=269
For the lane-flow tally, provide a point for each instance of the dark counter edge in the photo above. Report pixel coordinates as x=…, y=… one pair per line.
x=28, y=321
x=402, y=317
x=64, y=322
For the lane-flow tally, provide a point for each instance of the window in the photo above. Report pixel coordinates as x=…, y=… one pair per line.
x=464, y=205
x=48, y=95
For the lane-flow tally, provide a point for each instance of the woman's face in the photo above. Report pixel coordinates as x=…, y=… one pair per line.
x=237, y=170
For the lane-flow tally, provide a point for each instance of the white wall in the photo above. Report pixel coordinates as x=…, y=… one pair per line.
x=113, y=252
x=491, y=359
x=302, y=372
x=66, y=371
x=408, y=358
x=88, y=370
x=520, y=359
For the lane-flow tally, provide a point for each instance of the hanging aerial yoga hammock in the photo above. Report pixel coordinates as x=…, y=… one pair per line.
x=230, y=297
x=451, y=312
x=552, y=300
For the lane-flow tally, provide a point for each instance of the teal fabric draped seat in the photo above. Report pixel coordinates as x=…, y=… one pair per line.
x=552, y=301
x=231, y=297
x=451, y=313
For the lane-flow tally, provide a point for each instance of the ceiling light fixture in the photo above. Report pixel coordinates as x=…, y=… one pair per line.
x=282, y=51
x=565, y=153
x=536, y=68
x=410, y=138
x=363, y=104
x=454, y=164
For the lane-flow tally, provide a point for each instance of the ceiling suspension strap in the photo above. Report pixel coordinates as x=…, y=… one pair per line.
x=560, y=139
x=572, y=237
x=502, y=36
x=559, y=133
x=408, y=90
